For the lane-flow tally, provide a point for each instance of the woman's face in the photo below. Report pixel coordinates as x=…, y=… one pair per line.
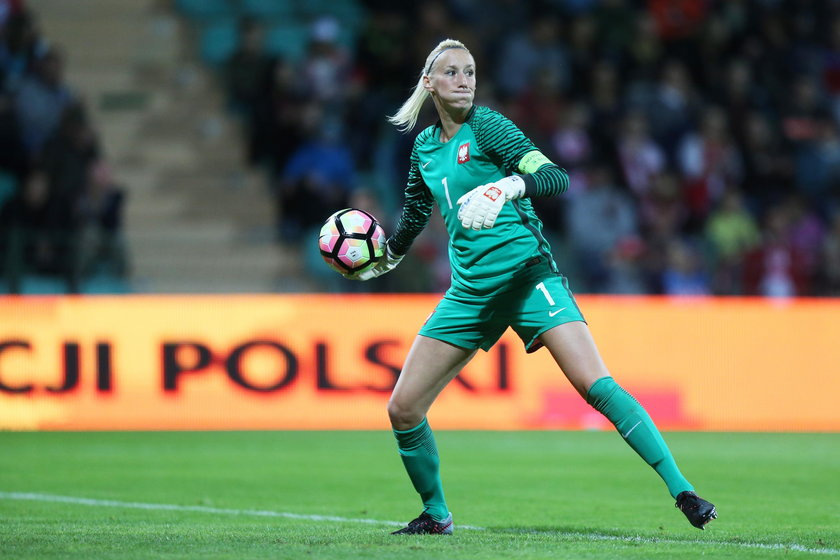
x=452, y=79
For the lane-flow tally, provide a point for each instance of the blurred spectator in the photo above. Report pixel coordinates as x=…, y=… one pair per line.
x=431, y=21
x=739, y=98
x=830, y=260
x=570, y=147
x=572, y=144
x=805, y=232
x=830, y=67
x=673, y=106
x=246, y=70
x=490, y=21
x=21, y=45
x=731, y=232
x=768, y=167
x=598, y=219
x=532, y=55
x=277, y=127
x=678, y=21
x=538, y=108
x=39, y=238
x=606, y=103
x=8, y=7
x=581, y=52
x=709, y=161
x=625, y=272
x=380, y=65
x=326, y=67
x=614, y=21
x=41, y=100
x=663, y=216
x=818, y=164
x=680, y=25
x=772, y=52
x=48, y=148
x=382, y=51
x=66, y=159
x=100, y=208
x=662, y=211
x=716, y=42
x=804, y=108
x=684, y=274
x=776, y=268
x=644, y=54
x=246, y=75
x=640, y=157
x=317, y=180
x=13, y=156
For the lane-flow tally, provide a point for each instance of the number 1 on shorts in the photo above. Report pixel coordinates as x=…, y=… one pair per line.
x=541, y=287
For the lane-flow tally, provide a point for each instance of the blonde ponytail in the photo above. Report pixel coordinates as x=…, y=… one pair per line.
x=406, y=117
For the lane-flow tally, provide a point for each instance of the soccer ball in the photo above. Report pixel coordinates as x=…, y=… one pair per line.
x=351, y=241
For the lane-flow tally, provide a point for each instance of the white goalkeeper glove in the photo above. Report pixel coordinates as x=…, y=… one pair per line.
x=387, y=263
x=481, y=206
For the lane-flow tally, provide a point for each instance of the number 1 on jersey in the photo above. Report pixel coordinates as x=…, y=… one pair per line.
x=446, y=190
x=541, y=287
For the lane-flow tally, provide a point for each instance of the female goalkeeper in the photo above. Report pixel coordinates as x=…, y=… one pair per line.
x=481, y=171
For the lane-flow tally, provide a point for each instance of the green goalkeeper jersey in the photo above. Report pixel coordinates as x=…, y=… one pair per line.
x=487, y=147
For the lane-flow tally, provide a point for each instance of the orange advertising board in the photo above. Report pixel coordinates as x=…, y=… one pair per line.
x=329, y=361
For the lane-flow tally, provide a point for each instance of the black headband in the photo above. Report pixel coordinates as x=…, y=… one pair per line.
x=429, y=69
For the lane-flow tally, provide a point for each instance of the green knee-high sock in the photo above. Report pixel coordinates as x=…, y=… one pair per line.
x=420, y=457
x=635, y=425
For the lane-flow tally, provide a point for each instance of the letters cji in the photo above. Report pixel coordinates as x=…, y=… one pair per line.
x=71, y=367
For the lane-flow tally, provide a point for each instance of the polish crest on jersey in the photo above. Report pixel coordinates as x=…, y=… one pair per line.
x=464, y=152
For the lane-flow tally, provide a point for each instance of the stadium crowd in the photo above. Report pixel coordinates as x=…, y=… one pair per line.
x=60, y=208
x=702, y=137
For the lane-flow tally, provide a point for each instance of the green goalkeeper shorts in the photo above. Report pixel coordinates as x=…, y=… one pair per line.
x=530, y=309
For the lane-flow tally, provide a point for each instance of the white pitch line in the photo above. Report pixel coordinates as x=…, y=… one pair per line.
x=173, y=507
x=36, y=497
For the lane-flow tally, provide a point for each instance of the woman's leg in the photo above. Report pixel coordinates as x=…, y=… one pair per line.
x=431, y=364
x=574, y=350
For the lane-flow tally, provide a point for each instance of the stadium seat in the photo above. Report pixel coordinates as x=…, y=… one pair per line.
x=218, y=40
x=206, y=10
x=8, y=186
x=268, y=9
x=348, y=12
x=288, y=41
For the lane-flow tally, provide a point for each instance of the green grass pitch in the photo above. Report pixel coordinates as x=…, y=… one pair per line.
x=520, y=495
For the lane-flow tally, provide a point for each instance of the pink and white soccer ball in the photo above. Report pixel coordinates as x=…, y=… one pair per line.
x=351, y=241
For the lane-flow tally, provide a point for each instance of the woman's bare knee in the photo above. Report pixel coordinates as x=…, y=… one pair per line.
x=404, y=417
x=430, y=366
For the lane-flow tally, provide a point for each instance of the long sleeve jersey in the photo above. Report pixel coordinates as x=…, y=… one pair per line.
x=487, y=148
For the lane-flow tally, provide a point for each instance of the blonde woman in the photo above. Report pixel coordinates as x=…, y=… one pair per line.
x=481, y=171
